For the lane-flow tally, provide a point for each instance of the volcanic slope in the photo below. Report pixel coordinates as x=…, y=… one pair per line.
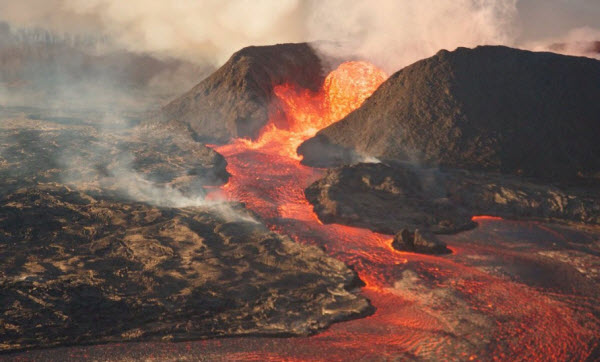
x=489, y=108
x=235, y=100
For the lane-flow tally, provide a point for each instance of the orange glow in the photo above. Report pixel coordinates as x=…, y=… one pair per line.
x=303, y=113
x=485, y=217
x=267, y=176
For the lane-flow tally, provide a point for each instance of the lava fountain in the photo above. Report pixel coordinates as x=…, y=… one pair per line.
x=300, y=113
x=427, y=307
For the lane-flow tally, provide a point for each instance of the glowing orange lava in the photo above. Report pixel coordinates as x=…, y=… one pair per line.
x=485, y=217
x=428, y=307
x=303, y=113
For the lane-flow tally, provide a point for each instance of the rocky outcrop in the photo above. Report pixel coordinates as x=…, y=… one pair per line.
x=235, y=101
x=490, y=108
x=168, y=155
x=385, y=199
x=405, y=240
x=82, y=269
x=389, y=198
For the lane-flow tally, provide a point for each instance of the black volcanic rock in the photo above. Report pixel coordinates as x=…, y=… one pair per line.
x=78, y=269
x=385, y=199
x=405, y=240
x=235, y=101
x=490, y=108
x=389, y=198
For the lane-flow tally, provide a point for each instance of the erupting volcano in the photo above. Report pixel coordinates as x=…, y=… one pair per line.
x=299, y=114
x=300, y=181
x=426, y=307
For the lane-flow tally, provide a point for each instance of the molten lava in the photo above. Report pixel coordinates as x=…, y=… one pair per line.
x=300, y=113
x=427, y=307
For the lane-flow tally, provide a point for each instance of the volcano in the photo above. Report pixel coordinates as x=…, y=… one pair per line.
x=491, y=108
x=294, y=268
x=235, y=100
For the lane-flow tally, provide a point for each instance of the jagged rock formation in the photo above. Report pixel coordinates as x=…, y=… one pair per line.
x=389, y=198
x=235, y=100
x=490, y=108
x=82, y=269
x=405, y=240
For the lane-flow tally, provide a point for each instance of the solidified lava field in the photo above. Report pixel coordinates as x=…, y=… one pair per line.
x=501, y=295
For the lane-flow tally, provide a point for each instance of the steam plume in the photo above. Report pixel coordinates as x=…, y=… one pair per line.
x=391, y=33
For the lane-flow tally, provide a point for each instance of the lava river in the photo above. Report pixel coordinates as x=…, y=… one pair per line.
x=476, y=304
x=427, y=307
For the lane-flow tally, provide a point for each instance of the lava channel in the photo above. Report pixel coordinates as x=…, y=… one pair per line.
x=428, y=307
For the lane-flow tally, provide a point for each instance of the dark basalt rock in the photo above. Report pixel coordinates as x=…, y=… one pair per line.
x=78, y=269
x=388, y=198
x=416, y=242
x=235, y=101
x=491, y=108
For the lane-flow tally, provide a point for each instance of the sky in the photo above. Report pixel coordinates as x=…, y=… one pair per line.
x=390, y=33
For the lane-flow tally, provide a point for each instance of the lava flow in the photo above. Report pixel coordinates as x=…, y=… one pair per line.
x=427, y=307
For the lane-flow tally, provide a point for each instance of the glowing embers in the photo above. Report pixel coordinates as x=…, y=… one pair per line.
x=485, y=218
x=299, y=113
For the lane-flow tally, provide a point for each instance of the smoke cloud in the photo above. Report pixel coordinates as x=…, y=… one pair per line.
x=579, y=42
x=393, y=34
x=208, y=30
x=390, y=33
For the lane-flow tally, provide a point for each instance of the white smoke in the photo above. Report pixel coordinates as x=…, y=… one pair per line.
x=207, y=30
x=391, y=33
x=578, y=42
x=135, y=186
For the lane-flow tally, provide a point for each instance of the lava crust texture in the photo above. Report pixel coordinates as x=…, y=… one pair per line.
x=389, y=198
x=77, y=269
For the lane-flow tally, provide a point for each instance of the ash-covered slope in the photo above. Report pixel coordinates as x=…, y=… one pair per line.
x=490, y=108
x=234, y=101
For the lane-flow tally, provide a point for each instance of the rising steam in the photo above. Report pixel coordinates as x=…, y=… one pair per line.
x=389, y=33
x=393, y=34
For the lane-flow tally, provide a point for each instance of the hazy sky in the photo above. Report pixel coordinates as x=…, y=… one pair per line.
x=391, y=33
x=541, y=19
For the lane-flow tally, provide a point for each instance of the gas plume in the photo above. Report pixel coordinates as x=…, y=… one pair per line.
x=388, y=33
